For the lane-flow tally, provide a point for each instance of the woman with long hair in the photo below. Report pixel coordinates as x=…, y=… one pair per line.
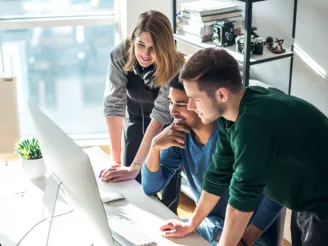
x=136, y=97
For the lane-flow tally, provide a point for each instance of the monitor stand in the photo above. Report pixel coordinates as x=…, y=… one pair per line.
x=50, y=199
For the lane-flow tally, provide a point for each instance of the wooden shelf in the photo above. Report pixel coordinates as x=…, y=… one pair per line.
x=255, y=59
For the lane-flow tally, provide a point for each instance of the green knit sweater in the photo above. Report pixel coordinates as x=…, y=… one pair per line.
x=279, y=146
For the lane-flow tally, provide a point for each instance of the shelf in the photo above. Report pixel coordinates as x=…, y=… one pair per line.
x=253, y=1
x=255, y=59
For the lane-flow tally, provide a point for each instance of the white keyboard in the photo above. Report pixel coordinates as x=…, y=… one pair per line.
x=129, y=231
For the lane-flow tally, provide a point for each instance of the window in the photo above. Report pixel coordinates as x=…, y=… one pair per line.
x=60, y=63
x=27, y=8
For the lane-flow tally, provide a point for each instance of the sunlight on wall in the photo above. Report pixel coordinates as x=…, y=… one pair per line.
x=310, y=62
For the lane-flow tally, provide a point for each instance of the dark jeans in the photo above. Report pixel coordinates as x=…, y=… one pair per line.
x=133, y=135
x=309, y=229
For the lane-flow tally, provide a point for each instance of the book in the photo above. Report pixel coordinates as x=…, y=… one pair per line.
x=208, y=7
x=207, y=18
x=187, y=21
x=197, y=30
x=197, y=23
x=193, y=37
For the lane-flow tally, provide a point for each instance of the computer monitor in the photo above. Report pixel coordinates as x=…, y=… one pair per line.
x=72, y=167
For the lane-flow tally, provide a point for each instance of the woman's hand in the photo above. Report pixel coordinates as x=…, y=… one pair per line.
x=118, y=173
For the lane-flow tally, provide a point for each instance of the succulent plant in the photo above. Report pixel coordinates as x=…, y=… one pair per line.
x=28, y=149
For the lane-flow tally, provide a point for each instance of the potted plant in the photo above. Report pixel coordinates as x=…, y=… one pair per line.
x=31, y=156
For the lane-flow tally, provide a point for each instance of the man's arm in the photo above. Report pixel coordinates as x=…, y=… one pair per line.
x=234, y=226
x=251, y=234
x=265, y=215
x=152, y=178
x=219, y=172
x=176, y=228
x=153, y=160
x=164, y=158
x=206, y=203
x=170, y=137
x=255, y=146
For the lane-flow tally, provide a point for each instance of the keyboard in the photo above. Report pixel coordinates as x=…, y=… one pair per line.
x=129, y=231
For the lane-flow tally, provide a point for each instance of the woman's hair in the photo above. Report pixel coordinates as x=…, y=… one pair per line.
x=168, y=60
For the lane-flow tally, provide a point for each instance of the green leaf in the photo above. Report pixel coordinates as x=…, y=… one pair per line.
x=28, y=149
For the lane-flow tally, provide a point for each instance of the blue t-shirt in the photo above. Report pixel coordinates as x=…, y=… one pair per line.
x=195, y=159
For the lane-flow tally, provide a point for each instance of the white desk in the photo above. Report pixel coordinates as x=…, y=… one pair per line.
x=18, y=214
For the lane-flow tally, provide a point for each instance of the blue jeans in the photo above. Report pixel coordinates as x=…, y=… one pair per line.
x=211, y=229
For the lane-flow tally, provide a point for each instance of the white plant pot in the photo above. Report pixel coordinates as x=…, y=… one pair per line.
x=34, y=169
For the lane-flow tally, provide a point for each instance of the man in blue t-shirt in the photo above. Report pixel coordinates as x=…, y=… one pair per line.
x=189, y=142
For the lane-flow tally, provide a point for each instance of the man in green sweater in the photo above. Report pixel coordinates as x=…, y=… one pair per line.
x=269, y=142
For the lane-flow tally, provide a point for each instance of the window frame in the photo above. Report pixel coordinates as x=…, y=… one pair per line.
x=82, y=19
x=98, y=18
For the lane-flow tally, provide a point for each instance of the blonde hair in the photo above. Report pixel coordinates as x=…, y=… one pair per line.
x=168, y=59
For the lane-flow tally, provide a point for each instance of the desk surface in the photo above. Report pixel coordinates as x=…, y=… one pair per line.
x=18, y=213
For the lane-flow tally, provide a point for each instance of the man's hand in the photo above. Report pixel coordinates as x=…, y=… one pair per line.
x=176, y=228
x=118, y=173
x=171, y=136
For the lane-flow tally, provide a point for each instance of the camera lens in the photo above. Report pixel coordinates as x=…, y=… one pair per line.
x=229, y=36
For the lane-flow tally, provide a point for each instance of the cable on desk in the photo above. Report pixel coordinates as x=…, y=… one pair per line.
x=28, y=232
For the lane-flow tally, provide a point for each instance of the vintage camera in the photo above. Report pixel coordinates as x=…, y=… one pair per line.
x=223, y=33
x=256, y=45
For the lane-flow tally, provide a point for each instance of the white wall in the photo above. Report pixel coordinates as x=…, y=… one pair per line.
x=310, y=74
x=129, y=11
x=312, y=36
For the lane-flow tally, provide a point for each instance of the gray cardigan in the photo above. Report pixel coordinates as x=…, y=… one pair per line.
x=115, y=96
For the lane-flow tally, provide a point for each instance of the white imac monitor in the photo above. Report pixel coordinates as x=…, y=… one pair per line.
x=73, y=168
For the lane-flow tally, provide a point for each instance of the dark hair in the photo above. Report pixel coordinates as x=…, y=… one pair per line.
x=175, y=83
x=212, y=68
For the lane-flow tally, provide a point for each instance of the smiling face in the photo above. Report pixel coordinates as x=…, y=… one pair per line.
x=144, y=49
x=207, y=108
x=179, y=111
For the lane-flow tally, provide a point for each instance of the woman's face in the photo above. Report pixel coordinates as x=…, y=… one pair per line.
x=144, y=50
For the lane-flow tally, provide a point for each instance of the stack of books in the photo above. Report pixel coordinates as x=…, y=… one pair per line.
x=196, y=19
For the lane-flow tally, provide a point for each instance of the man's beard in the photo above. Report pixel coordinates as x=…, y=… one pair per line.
x=179, y=120
x=219, y=107
x=183, y=121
